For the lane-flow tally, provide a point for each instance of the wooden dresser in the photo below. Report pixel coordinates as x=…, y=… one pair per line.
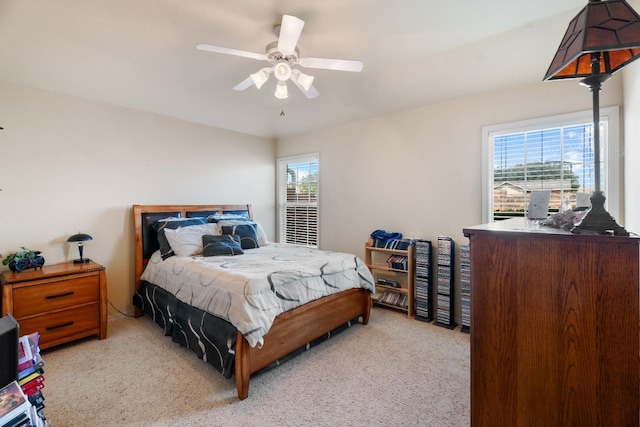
x=555, y=336
x=62, y=302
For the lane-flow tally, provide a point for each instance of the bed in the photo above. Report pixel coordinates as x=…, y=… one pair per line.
x=204, y=312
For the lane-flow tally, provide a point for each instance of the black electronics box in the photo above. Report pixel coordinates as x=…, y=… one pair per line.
x=9, y=335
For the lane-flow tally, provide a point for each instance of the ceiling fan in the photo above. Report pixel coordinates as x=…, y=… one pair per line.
x=282, y=55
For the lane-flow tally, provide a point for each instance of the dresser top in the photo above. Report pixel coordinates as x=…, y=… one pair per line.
x=52, y=270
x=533, y=228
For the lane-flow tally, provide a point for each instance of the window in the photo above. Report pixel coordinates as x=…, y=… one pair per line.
x=298, y=200
x=553, y=153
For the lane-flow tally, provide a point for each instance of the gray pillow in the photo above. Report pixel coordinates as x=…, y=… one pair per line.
x=221, y=245
x=247, y=232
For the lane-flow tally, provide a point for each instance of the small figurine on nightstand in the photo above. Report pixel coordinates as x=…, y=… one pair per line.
x=23, y=259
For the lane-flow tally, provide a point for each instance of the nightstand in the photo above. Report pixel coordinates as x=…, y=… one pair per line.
x=62, y=302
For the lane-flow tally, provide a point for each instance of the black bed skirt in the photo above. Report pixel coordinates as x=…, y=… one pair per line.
x=211, y=338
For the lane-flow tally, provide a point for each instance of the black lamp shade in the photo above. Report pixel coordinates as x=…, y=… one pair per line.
x=80, y=238
x=610, y=28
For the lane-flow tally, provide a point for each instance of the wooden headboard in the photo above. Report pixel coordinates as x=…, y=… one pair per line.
x=144, y=216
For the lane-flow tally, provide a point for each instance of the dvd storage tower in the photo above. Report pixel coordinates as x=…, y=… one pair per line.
x=465, y=288
x=444, y=314
x=424, y=290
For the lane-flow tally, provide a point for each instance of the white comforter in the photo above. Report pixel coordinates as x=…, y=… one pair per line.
x=250, y=290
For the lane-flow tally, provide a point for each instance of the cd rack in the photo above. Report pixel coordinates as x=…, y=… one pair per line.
x=424, y=290
x=445, y=298
x=465, y=288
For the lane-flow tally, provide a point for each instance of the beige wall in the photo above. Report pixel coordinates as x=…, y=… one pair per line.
x=71, y=165
x=419, y=171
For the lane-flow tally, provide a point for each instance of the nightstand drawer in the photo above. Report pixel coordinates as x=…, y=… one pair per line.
x=30, y=300
x=74, y=322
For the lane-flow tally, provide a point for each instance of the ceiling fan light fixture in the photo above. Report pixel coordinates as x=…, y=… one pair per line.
x=282, y=71
x=259, y=78
x=304, y=80
x=281, y=91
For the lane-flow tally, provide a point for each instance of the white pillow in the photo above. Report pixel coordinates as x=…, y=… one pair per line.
x=187, y=241
x=262, y=236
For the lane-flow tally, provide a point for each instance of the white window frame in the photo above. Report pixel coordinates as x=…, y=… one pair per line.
x=610, y=155
x=282, y=192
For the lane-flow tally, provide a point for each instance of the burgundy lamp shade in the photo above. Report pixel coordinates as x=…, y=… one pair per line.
x=609, y=28
x=601, y=39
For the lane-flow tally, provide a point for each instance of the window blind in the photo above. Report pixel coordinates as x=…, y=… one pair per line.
x=557, y=159
x=298, y=219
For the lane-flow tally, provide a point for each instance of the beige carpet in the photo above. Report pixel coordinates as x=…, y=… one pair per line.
x=392, y=372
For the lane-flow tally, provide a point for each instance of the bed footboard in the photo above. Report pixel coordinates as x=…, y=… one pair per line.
x=295, y=328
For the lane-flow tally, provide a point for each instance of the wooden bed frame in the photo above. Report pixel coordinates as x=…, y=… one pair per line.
x=290, y=331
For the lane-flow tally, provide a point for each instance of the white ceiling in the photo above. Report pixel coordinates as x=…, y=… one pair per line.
x=141, y=54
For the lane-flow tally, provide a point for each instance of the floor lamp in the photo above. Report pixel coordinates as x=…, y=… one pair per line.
x=601, y=39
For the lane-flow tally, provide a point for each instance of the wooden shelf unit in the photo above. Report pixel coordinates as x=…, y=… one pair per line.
x=376, y=260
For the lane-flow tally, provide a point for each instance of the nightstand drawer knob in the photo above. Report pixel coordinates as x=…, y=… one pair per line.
x=66, y=294
x=51, y=328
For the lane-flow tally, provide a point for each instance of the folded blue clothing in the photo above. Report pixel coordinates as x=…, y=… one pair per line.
x=386, y=235
x=397, y=244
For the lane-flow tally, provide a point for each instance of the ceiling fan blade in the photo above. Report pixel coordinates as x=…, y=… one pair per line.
x=290, y=31
x=246, y=83
x=311, y=93
x=332, y=64
x=236, y=52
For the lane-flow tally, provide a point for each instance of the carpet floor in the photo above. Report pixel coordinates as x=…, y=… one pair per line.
x=392, y=372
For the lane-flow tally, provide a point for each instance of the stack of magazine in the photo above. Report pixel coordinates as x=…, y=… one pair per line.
x=22, y=401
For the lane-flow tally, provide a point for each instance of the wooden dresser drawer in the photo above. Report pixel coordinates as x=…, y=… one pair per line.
x=62, y=302
x=31, y=300
x=61, y=325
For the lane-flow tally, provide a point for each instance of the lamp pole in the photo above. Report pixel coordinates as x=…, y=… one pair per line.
x=594, y=83
x=597, y=218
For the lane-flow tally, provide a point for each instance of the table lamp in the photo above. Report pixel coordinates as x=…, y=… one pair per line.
x=600, y=40
x=80, y=238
